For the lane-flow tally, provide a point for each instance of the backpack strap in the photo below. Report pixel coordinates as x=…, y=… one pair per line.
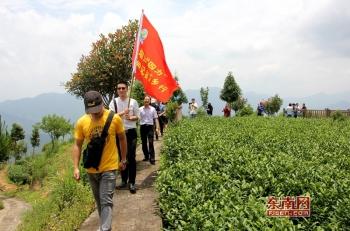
x=115, y=106
x=107, y=124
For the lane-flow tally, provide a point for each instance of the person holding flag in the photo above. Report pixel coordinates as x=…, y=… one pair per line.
x=150, y=68
x=128, y=110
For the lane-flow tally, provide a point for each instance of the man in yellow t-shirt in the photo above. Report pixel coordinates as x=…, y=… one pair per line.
x=103, y=180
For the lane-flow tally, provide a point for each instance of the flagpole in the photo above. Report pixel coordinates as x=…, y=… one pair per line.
x=135, y=58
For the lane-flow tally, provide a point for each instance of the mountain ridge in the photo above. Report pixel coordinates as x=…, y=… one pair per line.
x=28, y=111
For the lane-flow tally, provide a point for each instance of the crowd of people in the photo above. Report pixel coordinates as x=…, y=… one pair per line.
x=292, y=110
x=111, y=139
x=295, y=110
x=193, y=108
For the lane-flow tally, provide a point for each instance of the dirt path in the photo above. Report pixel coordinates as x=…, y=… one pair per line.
x=10, y=216
x=135, y=211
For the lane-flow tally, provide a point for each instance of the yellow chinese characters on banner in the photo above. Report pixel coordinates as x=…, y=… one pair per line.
x=150, y=72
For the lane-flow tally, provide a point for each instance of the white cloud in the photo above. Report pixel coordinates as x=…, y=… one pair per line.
x=271, y=46
x=111, y=22
x=39, y=51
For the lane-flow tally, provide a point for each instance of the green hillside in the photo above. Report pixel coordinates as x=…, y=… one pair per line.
x=217, y=173
x=45, y=181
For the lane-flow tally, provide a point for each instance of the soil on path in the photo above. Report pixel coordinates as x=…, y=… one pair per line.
x=10, y=215
x=4, y=185
x=138, y=211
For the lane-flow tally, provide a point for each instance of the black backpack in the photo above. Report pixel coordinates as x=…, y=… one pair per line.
x=92, y=154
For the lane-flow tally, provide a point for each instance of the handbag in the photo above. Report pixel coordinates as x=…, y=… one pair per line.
x=92, y=154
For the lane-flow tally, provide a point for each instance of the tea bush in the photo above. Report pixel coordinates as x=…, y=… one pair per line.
x=216, y=173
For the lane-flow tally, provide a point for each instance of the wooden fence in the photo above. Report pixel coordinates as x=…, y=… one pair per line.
x=324, y=113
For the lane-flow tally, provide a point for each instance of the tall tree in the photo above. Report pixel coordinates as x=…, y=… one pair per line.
x=17, y=135
x=231, y=91
x=108, y=63
x=35, y=138
x=17, y=132
x=65, y=128
x=273, y=105
x=5, y=142
x=55, y=126
x=204, y=96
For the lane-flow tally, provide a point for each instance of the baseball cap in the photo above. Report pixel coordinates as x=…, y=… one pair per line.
x=93, y=102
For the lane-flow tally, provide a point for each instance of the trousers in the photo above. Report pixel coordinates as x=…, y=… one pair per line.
x=147, y=136
x=103, y=186
x=129, y=173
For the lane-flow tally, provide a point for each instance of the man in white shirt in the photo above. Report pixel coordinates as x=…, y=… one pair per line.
x=193, y=106
x=289, y=110
x=130, y=116
x=148, y=115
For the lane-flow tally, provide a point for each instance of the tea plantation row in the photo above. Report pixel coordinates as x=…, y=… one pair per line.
x=217, y=173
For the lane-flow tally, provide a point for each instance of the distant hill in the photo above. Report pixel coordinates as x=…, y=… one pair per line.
x=28, y=111
x=317, y=101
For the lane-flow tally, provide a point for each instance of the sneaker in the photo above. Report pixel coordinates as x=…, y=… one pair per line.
x=145, y=159
x=132, y=188
x=122, y=185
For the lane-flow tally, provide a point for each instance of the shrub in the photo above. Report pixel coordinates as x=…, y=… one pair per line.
x=50, y=149
x=29, y=170
x=338, y=116
x=18, y=174
x=247, y=110
x=171, y=110
x=39, y=168
x=201, y=112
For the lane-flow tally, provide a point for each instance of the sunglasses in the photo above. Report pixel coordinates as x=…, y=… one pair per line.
x=121, y=88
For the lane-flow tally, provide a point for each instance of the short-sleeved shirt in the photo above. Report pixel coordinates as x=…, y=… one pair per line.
x=121, y=106
x=86, y=128
x=193, y=108
x=147, y=115
x=289, y=110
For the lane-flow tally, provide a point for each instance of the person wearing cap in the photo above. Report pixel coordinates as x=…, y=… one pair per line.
x=130, y=116
x=148, y=116
x=103, y=179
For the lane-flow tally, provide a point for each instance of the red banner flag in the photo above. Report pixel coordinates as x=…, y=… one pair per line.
x=149, y=65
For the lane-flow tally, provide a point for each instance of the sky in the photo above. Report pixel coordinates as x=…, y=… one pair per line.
x=290, y=47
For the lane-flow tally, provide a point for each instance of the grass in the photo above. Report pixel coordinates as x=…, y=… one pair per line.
x=58, y=201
